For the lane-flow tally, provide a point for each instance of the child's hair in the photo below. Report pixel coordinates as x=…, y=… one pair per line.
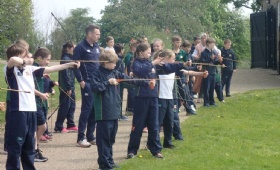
x=141, y=48
x=196, y=38
x=109, y=38
x=227, y=41
x=65, y=46
x=176, y=38
x=210, y=40
x=139, y=41
x=152, y=47
x=108, y=56
x=41, y=52
x=203, y=34
x=23, y=43
x=91, y=28
x=160, y=41
x=118, y=48
x=144, y=38
x=15, y=50
x=133, y=45
x=101, y=49
x=156, y=54
x=166, y=53
x=186, y=44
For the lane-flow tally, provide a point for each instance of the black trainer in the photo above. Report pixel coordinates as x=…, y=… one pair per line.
x=190, y=112
x=114, y=165
x=39, y=157
x=130, y=156
x=169, y=146
x=178, y=138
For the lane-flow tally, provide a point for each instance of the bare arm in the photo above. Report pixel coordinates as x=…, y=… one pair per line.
x=19, y=62
x=60, y=67
x=192, y=73
x=195, y=73
x=43, y=96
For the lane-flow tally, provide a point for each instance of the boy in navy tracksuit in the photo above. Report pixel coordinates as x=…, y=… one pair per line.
x=128, y=59
x=146, y=104
x=107, y=105
x=120, y=66
x=230, y=63
x=208, y=57
x=22, y=117
x=22, y=121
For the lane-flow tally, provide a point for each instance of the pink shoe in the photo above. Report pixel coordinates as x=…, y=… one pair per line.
x=64, y=130
x=48, y=137
x=43, y=139
x=72, y=129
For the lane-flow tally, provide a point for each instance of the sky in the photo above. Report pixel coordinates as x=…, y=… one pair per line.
x=61, y=8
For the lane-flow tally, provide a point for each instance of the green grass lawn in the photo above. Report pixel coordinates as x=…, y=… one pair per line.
x=53, y=100
x=242, y=133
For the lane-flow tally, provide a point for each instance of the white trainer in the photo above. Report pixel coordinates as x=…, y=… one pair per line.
x=83, y=144
x=93, y=142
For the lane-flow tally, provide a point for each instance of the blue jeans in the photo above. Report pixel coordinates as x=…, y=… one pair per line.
x=87, y=116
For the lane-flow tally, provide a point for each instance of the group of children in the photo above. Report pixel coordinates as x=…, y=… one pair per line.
x=163, y=80
x=158, y=83
x=26, y=114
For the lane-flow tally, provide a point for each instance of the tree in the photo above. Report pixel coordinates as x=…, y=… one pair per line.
x=121, y=20
x=128, y=19
x=254, y=5
x=75, y=25
x=16, y=22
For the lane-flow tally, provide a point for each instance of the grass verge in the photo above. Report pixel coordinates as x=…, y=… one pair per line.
x=242, y=133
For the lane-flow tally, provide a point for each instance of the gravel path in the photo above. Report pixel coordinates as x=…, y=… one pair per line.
x=63, y=153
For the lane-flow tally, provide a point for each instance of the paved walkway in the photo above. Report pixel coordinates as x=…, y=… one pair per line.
x=63, y=154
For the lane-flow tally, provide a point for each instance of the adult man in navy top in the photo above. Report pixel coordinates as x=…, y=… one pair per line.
x=87, y=49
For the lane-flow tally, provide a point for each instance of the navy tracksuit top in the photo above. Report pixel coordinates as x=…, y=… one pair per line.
x=84, y=51
x=107, y=100
x=206, y=58
x=144, y=69
x=228, y=54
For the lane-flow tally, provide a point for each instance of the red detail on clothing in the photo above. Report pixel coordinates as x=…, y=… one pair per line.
x=152, y=83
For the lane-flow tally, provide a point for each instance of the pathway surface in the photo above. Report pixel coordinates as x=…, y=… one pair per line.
x=63, y=153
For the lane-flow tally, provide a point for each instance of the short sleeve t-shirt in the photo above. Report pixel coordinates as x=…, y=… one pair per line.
x=22, y=79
